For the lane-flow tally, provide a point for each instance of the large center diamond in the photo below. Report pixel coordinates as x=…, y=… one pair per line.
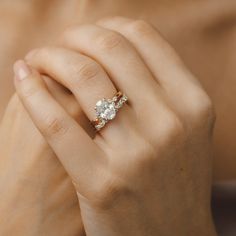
x=105, y=109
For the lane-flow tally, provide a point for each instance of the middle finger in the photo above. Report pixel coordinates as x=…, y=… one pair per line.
x=119, y=58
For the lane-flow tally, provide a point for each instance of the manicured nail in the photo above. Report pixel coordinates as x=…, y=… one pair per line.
x=21, y=70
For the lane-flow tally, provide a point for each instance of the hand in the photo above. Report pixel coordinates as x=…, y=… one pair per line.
x=148, y=172
x=37, y=197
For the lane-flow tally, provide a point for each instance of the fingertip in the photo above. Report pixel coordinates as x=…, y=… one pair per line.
x=21, y=70
x=26, y=79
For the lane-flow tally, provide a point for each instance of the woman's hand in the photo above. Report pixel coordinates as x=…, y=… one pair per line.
x=37, y=197
x=148, y=172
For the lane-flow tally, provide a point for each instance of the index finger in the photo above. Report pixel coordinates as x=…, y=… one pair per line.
x=79, y=154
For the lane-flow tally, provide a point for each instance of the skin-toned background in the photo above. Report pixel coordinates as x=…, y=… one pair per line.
x=202, y=32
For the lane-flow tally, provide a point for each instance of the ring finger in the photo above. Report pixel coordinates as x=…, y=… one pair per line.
x=120, y=59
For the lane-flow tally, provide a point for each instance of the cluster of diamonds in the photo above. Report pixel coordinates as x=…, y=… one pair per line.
x=120, y=101
x=106, y=109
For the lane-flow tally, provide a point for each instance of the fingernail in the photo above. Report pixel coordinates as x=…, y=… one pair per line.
x=30, y=54
x=21, y=70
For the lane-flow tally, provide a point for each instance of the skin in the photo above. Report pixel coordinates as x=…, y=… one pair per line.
x=43, y=203
x=197, y=43
x=205, y=34
x=138, y=196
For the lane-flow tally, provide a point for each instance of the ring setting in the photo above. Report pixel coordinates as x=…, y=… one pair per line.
x=106, y=109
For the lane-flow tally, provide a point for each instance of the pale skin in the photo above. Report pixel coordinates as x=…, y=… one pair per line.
x=164, y=176
x=222, y=170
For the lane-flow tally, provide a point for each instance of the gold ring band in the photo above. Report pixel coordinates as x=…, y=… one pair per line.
x=106, y=109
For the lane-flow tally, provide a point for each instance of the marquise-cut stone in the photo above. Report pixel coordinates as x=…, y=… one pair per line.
x=106, y=109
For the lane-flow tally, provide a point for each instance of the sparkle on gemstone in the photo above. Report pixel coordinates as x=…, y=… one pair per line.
x=105, y=109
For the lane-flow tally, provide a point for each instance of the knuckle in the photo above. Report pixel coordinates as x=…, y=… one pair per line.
x=54, y=127
x=109, y=192
x=87, y=71
x=109, y=40
x=140, y=27
x=144, y=157
x=174, y=129
x=204, y=108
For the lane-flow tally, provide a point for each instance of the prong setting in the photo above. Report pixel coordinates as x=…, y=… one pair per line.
x=106, y=109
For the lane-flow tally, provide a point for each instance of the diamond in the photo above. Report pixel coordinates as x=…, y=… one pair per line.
x=123, y=99
x=105, y=109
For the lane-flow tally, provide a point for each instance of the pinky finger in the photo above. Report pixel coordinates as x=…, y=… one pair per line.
x=70, y=142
